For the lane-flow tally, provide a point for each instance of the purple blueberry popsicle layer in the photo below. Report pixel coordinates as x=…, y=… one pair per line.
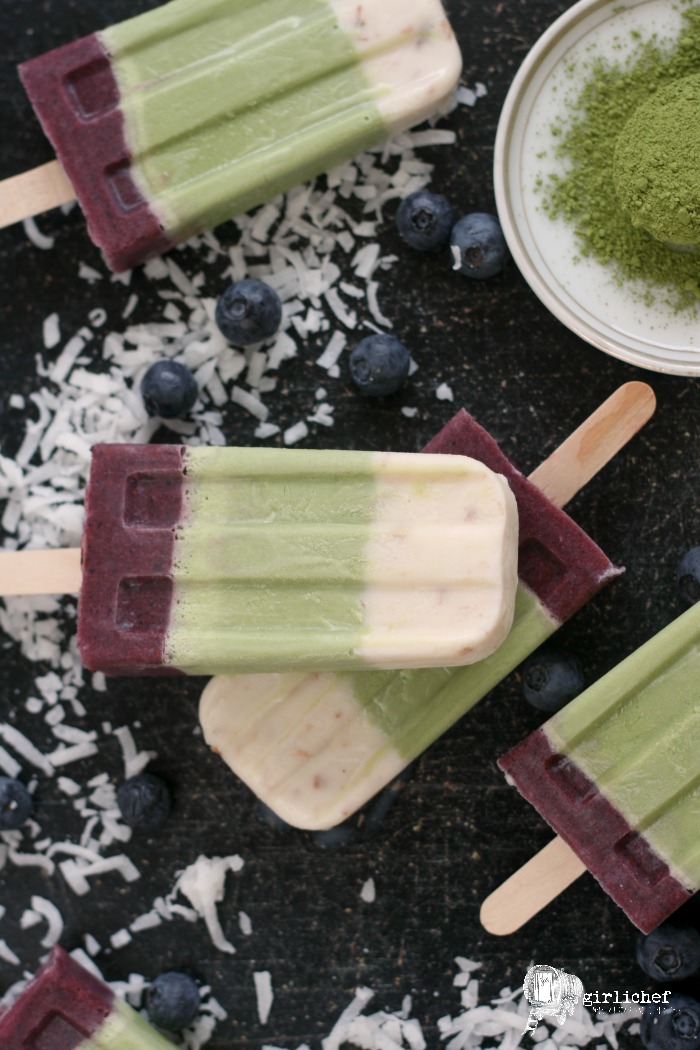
x=64, y=1007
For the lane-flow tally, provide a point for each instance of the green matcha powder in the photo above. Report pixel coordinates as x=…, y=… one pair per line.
x=585, y=195
x=657, y=163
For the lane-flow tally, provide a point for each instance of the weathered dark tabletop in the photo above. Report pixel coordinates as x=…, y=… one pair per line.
x=456, y=830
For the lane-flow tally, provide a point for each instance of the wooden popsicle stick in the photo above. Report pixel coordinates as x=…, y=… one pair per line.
x=34, y=191
x=40, y=572
x=595, y=442
x=531, y=888
x=560, y=476
x=588, y=449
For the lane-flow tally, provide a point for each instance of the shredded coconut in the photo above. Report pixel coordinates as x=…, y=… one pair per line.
x=47, y=910
x=368, y=892
x=203, y=885
x=120, y=939
x=52, y=331
x=134, y=761
x=295, y=433
x=39, y=240
x=7, y=954
x=92, y=945
x=498, y=1023
x=263, y=991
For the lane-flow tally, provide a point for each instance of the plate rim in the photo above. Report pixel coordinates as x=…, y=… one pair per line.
x=560, y=28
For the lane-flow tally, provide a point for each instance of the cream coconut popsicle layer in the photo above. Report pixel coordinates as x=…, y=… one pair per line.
x=616, y=773
x=64, y=1007
x=316, y=747
x=202, y=560
x=191, y=113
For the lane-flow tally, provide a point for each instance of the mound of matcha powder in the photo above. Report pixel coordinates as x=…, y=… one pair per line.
x=585, y=197
x=657, y=163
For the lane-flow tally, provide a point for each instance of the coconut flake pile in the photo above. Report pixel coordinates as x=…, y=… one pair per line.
x=499, y=1023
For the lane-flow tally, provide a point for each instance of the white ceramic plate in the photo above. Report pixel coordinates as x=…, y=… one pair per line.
x=582, y=294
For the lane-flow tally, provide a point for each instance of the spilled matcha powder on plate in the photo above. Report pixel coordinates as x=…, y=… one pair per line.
x=625, y=226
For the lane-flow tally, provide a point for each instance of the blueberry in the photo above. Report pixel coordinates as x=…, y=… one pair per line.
x=689, y=575
x=379, y=365
x=478, y=245
x=172, y=1001
x=672, y=1025
x=16, y=804
x=144, y=800
x=168, y=390
x=248, y=311
x=551, y=678
x=425, y=220
x=670, y=952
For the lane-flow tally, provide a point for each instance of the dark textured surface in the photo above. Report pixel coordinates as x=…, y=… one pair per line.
x=456, y=830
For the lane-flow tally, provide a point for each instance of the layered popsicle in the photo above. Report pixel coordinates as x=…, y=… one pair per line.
x=64, y=1007
x=203, y=560
x=191, y=113
x=616, y=773
x=316, y=747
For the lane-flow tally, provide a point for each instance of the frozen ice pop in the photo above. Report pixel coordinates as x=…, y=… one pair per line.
x=316, y=747
x=616, y=773
x=64, y=1007
x=191, y=113
x=203, y=560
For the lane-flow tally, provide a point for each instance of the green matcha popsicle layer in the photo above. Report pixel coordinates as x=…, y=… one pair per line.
x=616, y=773
x=191, y=113
x=207, y=560
x=316, y=747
